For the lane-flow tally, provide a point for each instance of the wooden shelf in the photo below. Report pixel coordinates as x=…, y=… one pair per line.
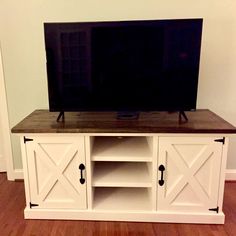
x=121, y=174
x=130, y=149
x=122, y=199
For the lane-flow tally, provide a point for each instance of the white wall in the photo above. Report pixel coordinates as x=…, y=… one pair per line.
x=21, y=35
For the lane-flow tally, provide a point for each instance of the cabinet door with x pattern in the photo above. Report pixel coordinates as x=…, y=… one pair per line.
x=188, y=173
x=57, y=172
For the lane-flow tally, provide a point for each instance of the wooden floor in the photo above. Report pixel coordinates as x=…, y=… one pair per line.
x=12, y=221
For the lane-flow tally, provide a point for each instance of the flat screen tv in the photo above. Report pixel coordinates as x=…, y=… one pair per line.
x=148, y=65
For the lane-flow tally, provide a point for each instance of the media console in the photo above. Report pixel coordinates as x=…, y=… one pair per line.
x=154, y=169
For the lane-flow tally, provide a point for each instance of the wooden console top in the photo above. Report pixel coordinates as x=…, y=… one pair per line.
x=200, y=121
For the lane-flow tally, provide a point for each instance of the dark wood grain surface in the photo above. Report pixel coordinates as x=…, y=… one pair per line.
x=200, y=121
x=12, y=203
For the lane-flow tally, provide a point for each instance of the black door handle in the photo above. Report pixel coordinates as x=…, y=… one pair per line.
x=162, y=169
x=81, y=167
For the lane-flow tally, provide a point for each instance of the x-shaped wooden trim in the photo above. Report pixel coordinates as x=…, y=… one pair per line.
x=188, y=174
x=57, y=172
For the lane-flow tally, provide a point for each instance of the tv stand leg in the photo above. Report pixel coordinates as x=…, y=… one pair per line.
x=182, y=115
x=61, y=115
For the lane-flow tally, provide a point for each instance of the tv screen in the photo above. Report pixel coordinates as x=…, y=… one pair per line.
x=149, y=65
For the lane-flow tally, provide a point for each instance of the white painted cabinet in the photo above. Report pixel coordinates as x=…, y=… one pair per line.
x=191, y=174
x=53, y=172
x=123, y=179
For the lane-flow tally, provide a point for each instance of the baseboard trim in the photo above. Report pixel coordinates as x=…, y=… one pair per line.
x=230, y=174
x=18, y=174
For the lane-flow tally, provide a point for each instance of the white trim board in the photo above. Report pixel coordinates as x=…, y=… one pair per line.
x=230, y=174
x=4, y=124
x=152, y=216
x=18, y=174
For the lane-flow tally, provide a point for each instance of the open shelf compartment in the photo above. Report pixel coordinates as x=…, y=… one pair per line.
x=136, y=149
x=122, y=174
x=122, y=199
